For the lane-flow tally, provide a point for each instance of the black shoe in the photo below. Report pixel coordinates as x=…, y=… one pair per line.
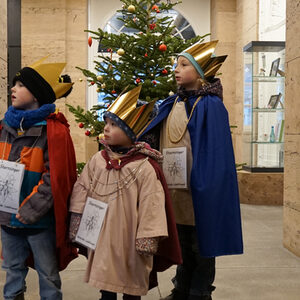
x=176, y=295
x=20, y=297
x=204, y=297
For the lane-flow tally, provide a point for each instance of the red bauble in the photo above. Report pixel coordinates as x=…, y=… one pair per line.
x=113, y=92
x=146, y=55
x=154, y=82
x=164, y=71
x=87, y=133
x=90, y=41
x=109, y=50
x=80, y=125
x=154, y=7
x=152, y=26
x=158, y=11
x=138, y=80
x=92, y=82
x=162, y=47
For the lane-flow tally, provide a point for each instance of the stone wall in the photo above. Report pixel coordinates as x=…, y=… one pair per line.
x=291, y=215
x=234, y=23
x=3, y=57
x=56, y=28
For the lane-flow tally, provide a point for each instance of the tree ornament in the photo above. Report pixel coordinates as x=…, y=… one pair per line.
x=80, y=125
x=92, y=82
x=164, y=71
x=131, y=8
x=90, y=41
x=98, y=90
x=152, y=62
x=158, y=11
x=152, y=26
x=113, y=92
x=99, y=77
x=138, y=80
x=172, y=59
x=121, y=52
x=154, y=82
x=146, y=55
x=154, y=7
x=103, y=86
x=171, y=93
x=109, y=50
x=80, y=79
x=87, y=133
x=162, y=47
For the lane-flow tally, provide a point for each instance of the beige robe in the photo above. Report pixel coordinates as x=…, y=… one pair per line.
x=136, y=209
x=181, y=198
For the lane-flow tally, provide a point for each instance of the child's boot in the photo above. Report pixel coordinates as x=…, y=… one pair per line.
x=20, y=297
x=176, y=295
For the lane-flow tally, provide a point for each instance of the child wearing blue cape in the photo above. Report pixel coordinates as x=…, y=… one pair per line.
x=207, y=213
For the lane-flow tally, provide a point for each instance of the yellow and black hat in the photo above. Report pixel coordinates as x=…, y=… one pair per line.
x=125, y=113
x=44, y=81
x=201, y=55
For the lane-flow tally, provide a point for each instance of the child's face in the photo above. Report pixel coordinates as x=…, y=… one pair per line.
x=186, y=75
x=22, y=98
x=114, y=135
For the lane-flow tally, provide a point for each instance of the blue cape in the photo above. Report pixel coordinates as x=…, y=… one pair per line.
x=213, y=176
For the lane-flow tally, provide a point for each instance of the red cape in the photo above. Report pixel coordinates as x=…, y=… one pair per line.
x=63, y=176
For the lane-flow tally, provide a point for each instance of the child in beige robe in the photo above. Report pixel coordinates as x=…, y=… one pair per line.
x=124, y=177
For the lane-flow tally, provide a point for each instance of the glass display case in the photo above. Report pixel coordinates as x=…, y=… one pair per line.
x=263, y=128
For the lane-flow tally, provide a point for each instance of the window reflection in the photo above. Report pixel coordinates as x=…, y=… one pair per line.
x=182, y=29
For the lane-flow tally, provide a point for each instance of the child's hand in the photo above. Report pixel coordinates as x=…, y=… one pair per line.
x=20, y=218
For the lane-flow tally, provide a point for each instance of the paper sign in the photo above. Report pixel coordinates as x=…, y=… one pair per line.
x=91, y=222
x=174, y=167
x=11, y=178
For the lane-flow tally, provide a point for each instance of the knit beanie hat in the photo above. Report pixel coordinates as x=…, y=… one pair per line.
x=44, y=81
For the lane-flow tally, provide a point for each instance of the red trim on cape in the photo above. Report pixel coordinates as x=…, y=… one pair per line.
x=63, y=176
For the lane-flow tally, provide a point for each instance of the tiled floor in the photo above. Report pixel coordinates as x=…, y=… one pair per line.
x=266, y=271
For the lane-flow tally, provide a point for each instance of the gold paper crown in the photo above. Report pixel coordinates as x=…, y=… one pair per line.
x=202, y=54
x=51, y=74
x=125, y=108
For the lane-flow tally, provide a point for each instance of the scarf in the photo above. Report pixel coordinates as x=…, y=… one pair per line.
x=138, y=151
x=18, y=118
x=212, y=88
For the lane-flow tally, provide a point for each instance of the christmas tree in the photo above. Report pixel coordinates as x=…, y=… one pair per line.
x=145, y=57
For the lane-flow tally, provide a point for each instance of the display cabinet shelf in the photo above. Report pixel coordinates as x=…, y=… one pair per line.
x=263, y=128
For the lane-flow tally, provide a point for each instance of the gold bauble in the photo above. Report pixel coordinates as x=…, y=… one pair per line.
x=99, y=78
x=103, y=86
x=80, y=79
x=131, y=8
x=121, y=52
